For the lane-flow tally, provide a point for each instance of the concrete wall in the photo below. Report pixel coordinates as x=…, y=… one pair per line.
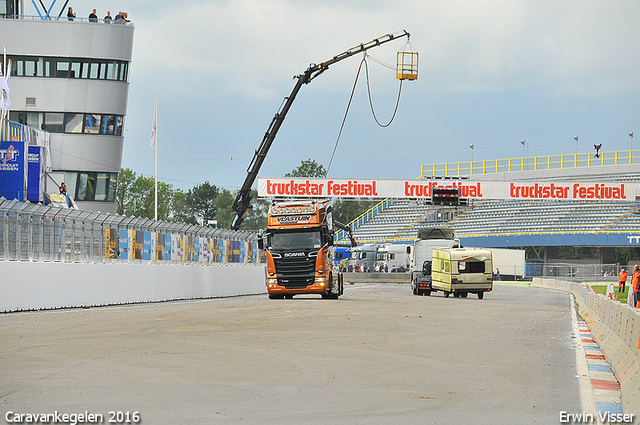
x=616, y=328
x=35, y=286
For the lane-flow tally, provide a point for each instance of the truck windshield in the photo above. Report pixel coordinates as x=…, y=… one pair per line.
x=295, y=240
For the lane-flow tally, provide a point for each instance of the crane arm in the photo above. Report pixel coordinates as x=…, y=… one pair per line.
x=242, y=202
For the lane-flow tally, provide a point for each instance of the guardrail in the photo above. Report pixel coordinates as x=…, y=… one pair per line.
x=530, y=163
x=34, y=232
x=616, y=328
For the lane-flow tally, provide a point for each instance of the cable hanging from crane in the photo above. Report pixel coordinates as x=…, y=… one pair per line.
x=344, y=119
x=366, y=66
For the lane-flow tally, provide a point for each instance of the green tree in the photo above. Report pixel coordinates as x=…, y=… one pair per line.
x=201, y=202
x=224, y=213
x=257, y=215
x=308, y=168
x=346, y=210
x=136, y=196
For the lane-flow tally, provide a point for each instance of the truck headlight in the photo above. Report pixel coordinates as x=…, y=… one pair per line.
x=320, y=281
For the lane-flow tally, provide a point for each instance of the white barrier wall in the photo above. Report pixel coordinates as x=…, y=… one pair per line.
x=616, y=328
x=44, y=285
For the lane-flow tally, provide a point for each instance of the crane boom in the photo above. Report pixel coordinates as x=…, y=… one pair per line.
x=242, y=202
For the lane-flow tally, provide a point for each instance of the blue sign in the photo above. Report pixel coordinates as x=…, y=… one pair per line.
x=35, y=181
x=146, y=246
x=124, y=244
x=167, y=247
x=12, y=170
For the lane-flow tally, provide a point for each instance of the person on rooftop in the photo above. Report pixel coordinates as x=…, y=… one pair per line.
x=108, y=18
x=70, y=14
x=93, y=17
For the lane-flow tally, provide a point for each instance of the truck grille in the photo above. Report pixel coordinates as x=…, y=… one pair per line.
x=296, y=272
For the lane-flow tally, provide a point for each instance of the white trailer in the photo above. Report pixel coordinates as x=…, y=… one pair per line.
x=509, y=263
x=394, y=257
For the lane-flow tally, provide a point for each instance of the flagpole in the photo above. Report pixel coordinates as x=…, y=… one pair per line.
x=155, y=113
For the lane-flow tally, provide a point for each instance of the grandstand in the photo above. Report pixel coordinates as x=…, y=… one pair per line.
x=504, y=223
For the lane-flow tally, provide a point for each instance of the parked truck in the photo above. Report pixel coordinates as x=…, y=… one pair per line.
x=363, y=257
x=462, y=271
x=299, y=250
x=420, y=256
x=394, y=257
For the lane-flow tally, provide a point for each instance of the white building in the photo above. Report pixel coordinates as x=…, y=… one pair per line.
x=71, y=78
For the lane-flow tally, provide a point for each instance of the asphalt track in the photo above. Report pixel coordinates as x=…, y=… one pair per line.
x=377, y=355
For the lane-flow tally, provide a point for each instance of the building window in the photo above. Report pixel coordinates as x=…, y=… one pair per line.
x=54, y=122
x=58, y=122
x=83, y=186
x=73, y=123
x=92, y=123
x=53, y=67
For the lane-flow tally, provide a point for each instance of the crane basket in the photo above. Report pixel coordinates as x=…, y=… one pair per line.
x=407, y=64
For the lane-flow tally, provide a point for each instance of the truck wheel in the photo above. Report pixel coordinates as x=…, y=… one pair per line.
x=276, y=297
x=456, y=294
x=480, y=295
x=446, y=294
x=416, y=291
x=289, y=296
x=464, y=294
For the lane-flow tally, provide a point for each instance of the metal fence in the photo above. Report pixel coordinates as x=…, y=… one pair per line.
x=575, y=272
x=33, y=232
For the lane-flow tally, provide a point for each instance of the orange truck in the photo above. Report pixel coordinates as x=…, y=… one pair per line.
x=298, y=242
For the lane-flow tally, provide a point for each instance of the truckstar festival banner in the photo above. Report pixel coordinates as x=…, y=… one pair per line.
x=423, y=189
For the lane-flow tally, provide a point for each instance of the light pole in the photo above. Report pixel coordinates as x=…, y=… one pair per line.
x=575, y=160
x=472, y=146
x=522, y=142
x=631, y=136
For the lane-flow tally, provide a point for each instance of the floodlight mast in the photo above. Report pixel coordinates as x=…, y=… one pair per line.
x=242, y=202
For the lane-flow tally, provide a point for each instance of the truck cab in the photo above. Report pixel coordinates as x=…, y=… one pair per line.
x=298, y=243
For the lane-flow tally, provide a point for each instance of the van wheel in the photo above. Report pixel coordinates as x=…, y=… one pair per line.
x=427, y=293
x=480, y=295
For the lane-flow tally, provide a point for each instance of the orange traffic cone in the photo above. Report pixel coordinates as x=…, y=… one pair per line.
x=617, y=297
x=638, y=304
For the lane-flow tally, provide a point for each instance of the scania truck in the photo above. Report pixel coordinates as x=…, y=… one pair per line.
x=298, y=242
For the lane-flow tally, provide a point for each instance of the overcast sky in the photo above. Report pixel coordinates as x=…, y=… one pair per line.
x=491, y=73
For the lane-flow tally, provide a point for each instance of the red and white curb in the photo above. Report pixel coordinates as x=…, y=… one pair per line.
x=599, y=388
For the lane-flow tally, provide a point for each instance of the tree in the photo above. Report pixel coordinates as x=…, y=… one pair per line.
x=346, y=210
x=257, y=215
x=224, y=213
x=136, y=196
x=201, y=202
x=308, y=168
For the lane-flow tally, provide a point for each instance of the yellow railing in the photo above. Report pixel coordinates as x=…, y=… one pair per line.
x=530, y=163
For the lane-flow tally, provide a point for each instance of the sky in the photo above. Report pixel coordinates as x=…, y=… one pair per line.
x=491, y=73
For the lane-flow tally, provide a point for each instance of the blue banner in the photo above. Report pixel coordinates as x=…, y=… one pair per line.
x=146, y=243
x=167, y=246
x=35, y=180
x=123, y=243
x=12, y=170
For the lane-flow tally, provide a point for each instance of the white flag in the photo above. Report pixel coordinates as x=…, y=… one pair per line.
x=3, y=84
x=154, y=129
x=5, y=89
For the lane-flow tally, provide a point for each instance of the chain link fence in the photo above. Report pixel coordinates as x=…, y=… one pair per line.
x=576, y=272
x=34, y=232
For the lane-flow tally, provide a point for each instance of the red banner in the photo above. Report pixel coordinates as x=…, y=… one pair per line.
x=423, y=189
